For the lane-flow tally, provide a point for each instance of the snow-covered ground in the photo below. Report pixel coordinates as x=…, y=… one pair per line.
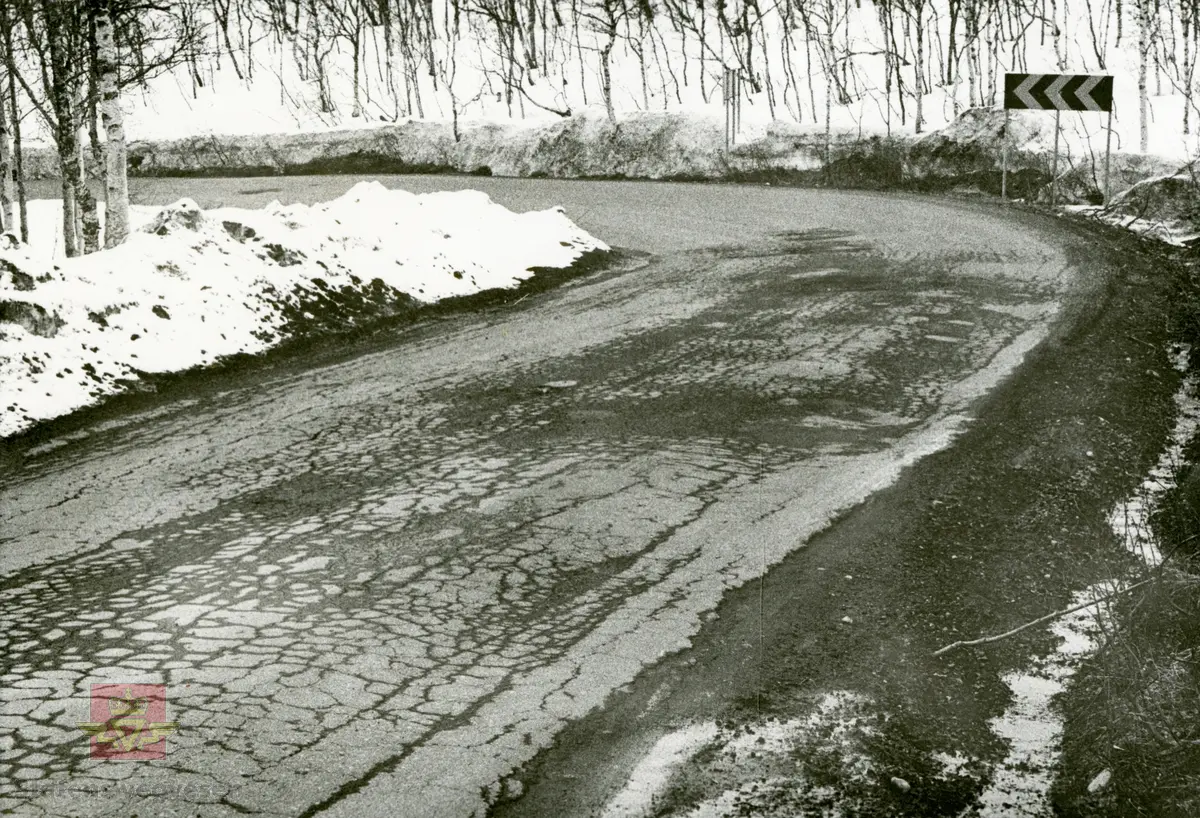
x=191, y=287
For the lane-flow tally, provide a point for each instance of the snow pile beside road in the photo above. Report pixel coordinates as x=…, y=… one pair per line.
x=1166, y=208
x=192, y=287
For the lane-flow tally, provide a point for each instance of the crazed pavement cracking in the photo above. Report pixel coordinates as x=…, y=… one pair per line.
x=379, y=587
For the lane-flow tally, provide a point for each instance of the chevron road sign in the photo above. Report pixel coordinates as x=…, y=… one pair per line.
x=1058, y=92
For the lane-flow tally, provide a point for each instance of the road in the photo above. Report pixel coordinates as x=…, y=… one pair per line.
x=380, y=584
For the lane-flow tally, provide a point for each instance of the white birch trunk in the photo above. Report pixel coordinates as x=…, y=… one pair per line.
x=606, y=75
x=919, y=89
x=1143, y=65
x=87, y=216
x=116, y=226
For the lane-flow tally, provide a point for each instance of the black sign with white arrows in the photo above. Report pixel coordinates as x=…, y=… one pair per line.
x=1061, y=92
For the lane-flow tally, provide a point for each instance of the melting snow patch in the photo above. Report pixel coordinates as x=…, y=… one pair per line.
x=1131, y=518
x=754, y=769
x=952, y=765
x=1032, y=724
x=649, y=778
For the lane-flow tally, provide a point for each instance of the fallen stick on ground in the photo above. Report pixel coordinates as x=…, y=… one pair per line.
x=1055, y=615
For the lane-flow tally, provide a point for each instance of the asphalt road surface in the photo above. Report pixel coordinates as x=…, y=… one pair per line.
x=381, y=584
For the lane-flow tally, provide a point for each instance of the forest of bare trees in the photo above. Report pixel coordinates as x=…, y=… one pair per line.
x=65, y=63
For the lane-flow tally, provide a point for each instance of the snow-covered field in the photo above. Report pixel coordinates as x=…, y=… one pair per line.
x=191, y=287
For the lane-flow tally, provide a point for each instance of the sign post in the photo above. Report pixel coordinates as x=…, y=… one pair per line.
x=1107, y=152
x=732, y=93
x=1054, y=167
x=1004, y=170
x=1058, y=93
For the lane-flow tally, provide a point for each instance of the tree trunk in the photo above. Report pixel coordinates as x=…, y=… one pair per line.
x=952, y=47
x=7, y=95
x=1143, y=60
x=639, y=49
x=606, y=75
x=451, y=76
x=828, y=116
x=1060, y=57
x=22, y=201
x=919, y=88
x=88, y=213
x=1187, y=72
x=6, y=205
x=389, y=47
x=116, y=222
x=357, y=49
x=888, y=57
x=93, y=96
x=70, y=237
x=65, y=132
x=974, y=92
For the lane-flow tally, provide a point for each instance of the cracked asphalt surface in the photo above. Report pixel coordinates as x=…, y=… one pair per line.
x=379, y=585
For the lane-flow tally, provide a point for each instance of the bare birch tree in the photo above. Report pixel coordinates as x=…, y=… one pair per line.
x=6, y=202
x=1145, y=23
x=116, y=183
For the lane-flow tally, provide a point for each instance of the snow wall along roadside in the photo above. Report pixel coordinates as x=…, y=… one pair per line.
x=193, y=287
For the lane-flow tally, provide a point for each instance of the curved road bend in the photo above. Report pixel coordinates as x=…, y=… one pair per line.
x=378, y=586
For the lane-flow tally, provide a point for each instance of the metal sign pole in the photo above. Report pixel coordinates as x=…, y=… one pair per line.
x=737, y=105
x=733, y=106
x=1004, y=170
x=725, y=99
x=1054, y=167
x=1107, y=154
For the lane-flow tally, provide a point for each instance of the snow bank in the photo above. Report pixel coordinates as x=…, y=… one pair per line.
x=640, y=145
x=191, y=286
x=1165, y=208
x=589, y=144
x=687, y=145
